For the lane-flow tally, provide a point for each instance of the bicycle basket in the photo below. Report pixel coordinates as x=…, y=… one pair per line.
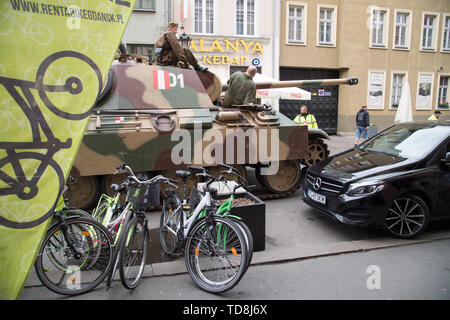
x=144, y=196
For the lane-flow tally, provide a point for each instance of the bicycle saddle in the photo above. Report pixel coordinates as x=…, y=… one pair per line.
x=182, y=174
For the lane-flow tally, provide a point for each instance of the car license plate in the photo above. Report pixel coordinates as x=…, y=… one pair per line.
x=317, y=197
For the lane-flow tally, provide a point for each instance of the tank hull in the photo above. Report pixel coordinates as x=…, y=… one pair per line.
x=145, y=148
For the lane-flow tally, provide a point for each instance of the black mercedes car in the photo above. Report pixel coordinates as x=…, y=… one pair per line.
x=398, y=180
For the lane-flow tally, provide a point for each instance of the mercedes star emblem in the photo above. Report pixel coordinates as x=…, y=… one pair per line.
x=317, y=184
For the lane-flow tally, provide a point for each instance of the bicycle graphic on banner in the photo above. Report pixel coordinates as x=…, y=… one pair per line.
x=27, y=166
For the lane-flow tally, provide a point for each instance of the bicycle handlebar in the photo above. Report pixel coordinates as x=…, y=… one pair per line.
x=242, y=182
x=155, y=179
x=203, y=170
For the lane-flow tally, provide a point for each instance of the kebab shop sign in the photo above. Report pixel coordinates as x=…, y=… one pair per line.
x=223, y=52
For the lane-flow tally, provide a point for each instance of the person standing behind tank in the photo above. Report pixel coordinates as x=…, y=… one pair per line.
x=241, y=88
x=435, y=116
x=305, y=118
x=362, y=124
x=169, y=52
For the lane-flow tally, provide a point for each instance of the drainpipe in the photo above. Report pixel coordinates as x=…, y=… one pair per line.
x=275, y=40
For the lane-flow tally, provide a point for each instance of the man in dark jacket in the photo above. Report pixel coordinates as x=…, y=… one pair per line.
x=362, y=124
x=170, y=53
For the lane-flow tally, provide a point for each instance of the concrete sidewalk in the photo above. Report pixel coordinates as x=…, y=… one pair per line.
x=294, y=231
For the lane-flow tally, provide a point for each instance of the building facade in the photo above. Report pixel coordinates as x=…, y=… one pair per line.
x=385, y=43
x=231, y=35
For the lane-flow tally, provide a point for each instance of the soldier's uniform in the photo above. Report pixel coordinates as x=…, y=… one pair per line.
x=241, y=90
x=172, y=52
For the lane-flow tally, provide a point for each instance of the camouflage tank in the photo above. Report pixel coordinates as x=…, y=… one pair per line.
x=159, y=119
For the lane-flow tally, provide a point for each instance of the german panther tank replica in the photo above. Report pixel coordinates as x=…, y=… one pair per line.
x=159, y=119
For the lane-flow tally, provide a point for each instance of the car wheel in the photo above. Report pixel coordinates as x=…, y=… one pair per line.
x=407, y=216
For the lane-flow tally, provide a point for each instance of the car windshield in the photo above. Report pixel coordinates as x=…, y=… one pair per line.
x=408, y=141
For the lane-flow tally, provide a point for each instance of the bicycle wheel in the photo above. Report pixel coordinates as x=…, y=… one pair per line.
x=169, y=224
x=70, y=212
x=248, y=240
x=133, y=252
x=216, y=254
x=114, y=267
x=71, y=270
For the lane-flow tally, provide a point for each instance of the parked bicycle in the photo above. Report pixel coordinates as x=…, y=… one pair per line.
x=216, y=248
x=128, y=225
x=76, y=253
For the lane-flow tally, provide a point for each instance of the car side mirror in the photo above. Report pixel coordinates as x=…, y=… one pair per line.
x=445, y=163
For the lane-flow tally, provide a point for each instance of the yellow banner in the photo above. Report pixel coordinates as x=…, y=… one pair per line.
x=53, y=63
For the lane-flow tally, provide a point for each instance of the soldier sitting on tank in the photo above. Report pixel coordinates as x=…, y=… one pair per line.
x=241, y=88
x=305, y=118
x=170, y=53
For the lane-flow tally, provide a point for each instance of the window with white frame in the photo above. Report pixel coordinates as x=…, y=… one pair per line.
x=430, y=23
x=402, y=29
x=443, y=92
x=145, y=5
x=326, y=31
x=204, y=16
x=296, y=12
x=396, y=90
x=446, y=34
x=245, y=17
x=379, y=27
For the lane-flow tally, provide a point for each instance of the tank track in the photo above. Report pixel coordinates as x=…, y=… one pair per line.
x=265, y=194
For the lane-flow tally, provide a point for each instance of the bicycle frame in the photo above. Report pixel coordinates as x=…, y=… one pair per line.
x=121, y=220
x=187, y=222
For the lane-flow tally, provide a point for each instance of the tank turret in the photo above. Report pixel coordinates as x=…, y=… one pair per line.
x=159, y=119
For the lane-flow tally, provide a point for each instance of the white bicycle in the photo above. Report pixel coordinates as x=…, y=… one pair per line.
x=216, y=248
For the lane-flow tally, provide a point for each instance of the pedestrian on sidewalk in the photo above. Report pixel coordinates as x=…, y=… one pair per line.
x=362, y=124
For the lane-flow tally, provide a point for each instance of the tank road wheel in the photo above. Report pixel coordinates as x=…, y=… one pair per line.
x=286, y=179
x=83, y=191
x=190, y=182
x=318, y=151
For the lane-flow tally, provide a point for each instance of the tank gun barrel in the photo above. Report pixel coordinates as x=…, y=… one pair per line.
x=301, y=83
x=305, y=83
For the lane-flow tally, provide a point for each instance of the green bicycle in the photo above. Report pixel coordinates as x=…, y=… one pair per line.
x=128, y=226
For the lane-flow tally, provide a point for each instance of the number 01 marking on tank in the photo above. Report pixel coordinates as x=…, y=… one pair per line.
x=164, y=80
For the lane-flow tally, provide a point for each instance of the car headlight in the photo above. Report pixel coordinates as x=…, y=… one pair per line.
x=364, y=188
